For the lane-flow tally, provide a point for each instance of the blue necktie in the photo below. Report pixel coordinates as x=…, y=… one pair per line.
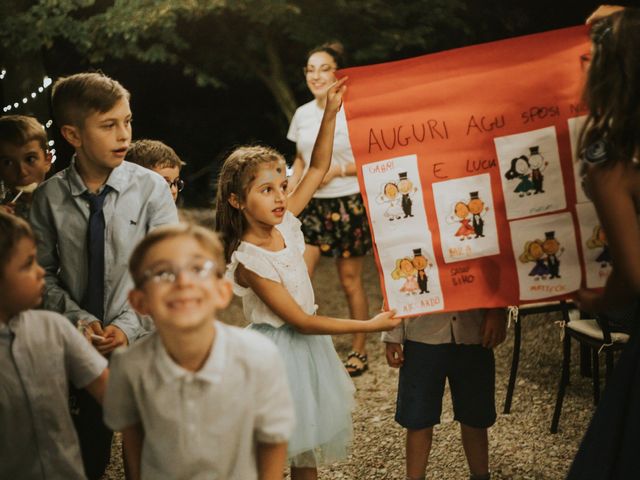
x=94, y=295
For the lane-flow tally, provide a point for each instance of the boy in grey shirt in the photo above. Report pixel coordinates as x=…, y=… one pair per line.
x=39, y=353
x=196, y=399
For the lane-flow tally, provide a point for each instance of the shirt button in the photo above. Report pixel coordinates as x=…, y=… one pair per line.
x=454, y=319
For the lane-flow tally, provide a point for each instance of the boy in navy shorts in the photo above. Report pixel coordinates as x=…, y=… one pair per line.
x=431, y=349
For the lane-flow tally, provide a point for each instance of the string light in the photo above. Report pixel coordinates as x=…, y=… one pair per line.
x=46, y=82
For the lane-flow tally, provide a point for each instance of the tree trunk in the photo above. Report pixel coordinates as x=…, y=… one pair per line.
x=276, y=82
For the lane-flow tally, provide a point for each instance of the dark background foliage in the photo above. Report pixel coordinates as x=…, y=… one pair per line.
x=206, y=75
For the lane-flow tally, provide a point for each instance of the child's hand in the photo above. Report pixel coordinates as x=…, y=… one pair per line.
x=8, y=208
x=494, y=328
x=384, y=321
x=90, y=330
x=113, y=338
x=334, y=95
x=603, y=11
x=394, y=354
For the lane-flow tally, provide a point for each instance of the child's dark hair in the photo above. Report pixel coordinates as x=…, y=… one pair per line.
x=205, y=237
x=21, y=129
x=238, y=171
x=153, y=154
x=612, y=90
x=74, y=98
x=335, y=49
x=512, y=172
x=12, y=230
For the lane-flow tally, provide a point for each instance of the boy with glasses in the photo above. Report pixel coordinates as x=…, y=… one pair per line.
x=196, y=398
x=160, y=158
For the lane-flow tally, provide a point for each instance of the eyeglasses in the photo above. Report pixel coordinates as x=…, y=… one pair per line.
x=178, y=183
x=168, y=275
x=322, y=70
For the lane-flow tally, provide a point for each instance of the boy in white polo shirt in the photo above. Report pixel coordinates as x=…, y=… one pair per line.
x=40, y=352
x=197, y=398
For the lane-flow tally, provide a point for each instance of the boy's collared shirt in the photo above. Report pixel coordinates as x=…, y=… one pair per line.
x=438, y=328
x=205, y=424
x=139, y=201
x=39, y=353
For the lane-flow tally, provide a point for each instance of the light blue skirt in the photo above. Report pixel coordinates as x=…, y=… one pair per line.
x=322, y=394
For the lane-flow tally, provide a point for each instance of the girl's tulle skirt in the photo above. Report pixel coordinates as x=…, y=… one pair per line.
x=322, y=393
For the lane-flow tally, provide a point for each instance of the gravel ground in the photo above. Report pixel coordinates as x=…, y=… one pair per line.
x=521, y=446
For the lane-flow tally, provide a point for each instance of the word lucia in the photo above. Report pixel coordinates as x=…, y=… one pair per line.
x=470, y=215
x=545, y=256
x=397, y=195
x=527, y=171
x=413, y=270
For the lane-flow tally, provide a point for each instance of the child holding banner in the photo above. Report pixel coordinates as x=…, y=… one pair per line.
x=431, y=349
x=264, y=246
x=610, y=146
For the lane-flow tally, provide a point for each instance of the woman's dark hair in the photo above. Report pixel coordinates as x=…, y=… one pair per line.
x=612, y=90
x=334, y=48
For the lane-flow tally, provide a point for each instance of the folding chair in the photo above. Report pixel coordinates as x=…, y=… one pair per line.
x=596, y=335
x=517, y=314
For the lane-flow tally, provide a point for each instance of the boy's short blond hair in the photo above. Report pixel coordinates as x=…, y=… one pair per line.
x=153, y=154
x=12, y=230
x=74, y=98
x=205, y=237
x=21, y=129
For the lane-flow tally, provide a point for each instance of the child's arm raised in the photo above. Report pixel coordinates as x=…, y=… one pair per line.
x=280, y=301
x=322, y=151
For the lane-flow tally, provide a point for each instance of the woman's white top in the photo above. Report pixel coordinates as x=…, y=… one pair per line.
x=285, y=266
x=304, y=130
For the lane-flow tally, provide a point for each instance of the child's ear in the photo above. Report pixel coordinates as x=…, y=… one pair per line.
x=234, y=201
x=48, y=160
x=71, y=134
x=224, y=294
x=138, y=300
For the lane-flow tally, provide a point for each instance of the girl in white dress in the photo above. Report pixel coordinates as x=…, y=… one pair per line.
x=265, y=247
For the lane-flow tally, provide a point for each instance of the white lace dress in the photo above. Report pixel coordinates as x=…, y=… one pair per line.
x=320, y=386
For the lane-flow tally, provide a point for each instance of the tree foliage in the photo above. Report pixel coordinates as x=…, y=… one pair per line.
x=217, y=41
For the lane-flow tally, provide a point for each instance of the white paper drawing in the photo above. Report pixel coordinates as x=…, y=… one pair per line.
x=411, y=278
x=466, y=218
x=595, y=247
x=531, y=175
x=546, y=256
x=394, y=195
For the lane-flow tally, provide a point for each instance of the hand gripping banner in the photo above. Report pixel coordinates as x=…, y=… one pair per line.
x=466, y=162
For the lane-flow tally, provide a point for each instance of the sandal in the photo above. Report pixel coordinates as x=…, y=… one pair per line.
x=355, y=370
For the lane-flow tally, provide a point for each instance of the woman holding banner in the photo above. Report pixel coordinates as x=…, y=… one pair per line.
x=610, y=145
x=334, y=223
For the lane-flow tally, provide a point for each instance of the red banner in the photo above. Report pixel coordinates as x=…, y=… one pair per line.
x=466, y=164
